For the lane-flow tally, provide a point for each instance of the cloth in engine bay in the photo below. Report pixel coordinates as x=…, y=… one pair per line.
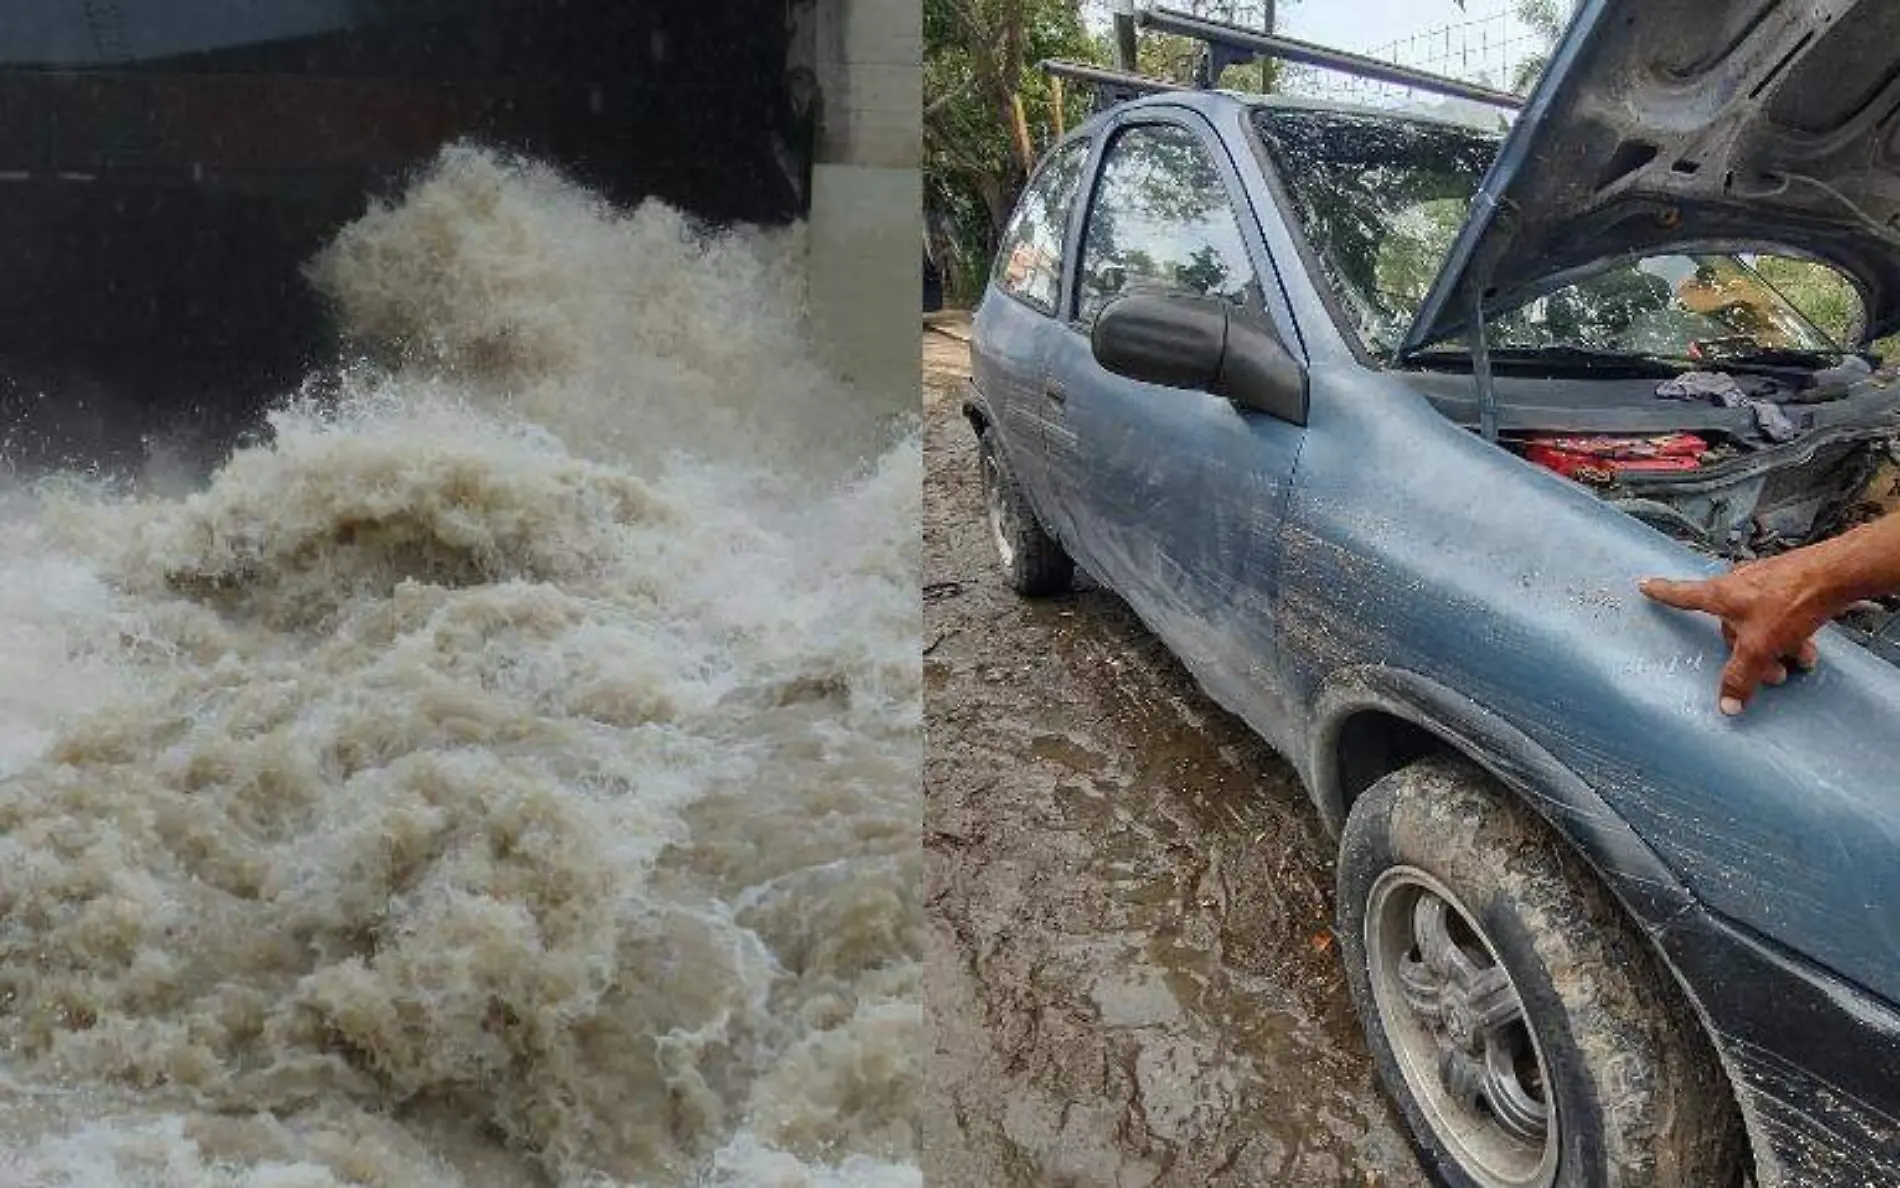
x=1753, y=392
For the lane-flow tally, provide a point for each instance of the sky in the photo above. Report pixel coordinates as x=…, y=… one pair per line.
x=1367, y=24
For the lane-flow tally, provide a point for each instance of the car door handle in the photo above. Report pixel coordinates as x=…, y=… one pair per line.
x=1055, y=391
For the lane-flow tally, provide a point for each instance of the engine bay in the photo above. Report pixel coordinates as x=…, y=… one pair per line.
x=1725, y=498
x=1738, y=459
x=1785, y=480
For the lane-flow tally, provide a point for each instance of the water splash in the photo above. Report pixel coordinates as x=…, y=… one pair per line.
x=511, y=770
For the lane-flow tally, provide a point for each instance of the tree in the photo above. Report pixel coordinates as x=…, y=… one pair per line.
x=1826, y=297
x=1547, y=19
x=979, y=61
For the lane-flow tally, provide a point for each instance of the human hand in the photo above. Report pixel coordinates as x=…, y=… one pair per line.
x=1770, y=611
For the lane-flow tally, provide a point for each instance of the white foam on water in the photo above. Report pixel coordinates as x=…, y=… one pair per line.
x=510, y=771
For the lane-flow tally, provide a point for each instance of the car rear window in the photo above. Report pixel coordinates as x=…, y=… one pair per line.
x=1029, y=260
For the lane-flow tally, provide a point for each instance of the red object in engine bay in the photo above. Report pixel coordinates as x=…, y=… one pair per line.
x=1600, y=459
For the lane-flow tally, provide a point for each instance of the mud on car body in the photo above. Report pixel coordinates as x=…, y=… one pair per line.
x=1376, y=420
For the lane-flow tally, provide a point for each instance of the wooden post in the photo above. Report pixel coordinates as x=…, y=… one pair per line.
x=1021, y=128
x=1268, y=67
x=1055, y=94
x=1126, y=58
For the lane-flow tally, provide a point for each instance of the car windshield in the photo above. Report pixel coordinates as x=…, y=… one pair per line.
x=1380, y=198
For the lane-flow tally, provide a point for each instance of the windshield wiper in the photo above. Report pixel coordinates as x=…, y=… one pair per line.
x=1576, y=356
x=1777, y=357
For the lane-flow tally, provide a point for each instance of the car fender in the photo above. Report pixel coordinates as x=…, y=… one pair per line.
x=1627, y=864
x=1413, y=544
x=1792, y=1144
x=1650, y=894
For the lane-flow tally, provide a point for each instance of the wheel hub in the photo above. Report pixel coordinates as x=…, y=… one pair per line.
x=1457, y=1019
x=1458, y=1027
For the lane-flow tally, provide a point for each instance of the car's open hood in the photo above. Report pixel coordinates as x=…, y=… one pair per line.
x=1712, y=124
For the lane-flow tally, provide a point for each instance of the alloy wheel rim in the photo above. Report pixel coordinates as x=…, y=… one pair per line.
x=1456, y=1023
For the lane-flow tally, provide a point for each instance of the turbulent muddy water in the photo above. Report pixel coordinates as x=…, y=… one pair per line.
x=508, y=775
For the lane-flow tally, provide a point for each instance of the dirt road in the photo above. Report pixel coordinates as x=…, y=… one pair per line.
x=1131, y=979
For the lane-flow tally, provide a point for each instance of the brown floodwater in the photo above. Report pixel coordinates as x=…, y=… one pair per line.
x=505, y=774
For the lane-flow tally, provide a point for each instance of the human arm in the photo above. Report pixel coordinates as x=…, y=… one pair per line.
x=1770, y=610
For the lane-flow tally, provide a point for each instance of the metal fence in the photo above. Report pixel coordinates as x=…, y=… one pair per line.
x=1492, y=50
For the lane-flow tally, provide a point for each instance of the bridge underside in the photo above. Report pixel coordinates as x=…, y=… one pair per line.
x=163, y=178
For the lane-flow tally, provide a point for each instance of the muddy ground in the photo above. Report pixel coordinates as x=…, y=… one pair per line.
x=1131, y=978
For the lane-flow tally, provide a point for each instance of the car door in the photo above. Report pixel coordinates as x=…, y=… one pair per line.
x=1174, y=498
x=1017, y=321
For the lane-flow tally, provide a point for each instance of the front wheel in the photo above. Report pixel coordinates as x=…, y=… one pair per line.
x=1035, y=563
x=1515, y=1017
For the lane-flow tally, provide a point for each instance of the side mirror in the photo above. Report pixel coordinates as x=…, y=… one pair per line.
x=1203, y=343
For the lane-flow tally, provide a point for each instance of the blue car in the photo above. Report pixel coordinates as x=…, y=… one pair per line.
x=1376, y=419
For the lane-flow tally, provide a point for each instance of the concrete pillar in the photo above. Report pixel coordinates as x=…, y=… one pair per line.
x=866, y=191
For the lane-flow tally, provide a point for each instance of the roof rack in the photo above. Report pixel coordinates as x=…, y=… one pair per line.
x=1225, y=44
x=1111, y=86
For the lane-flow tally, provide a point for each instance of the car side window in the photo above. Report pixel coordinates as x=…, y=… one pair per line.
x=1162, y=218
x=1029, y=260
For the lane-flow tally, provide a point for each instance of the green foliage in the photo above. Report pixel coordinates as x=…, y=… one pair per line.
x=1414, y=248
x=1548, y=19
x=1819, y=292
x=979, y=55
x=1825, y=297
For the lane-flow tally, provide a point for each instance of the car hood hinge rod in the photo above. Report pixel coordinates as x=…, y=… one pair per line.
x=1481, y=369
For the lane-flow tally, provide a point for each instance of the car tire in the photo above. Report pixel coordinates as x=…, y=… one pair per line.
x=1035, y=563
x=1600, y=1038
